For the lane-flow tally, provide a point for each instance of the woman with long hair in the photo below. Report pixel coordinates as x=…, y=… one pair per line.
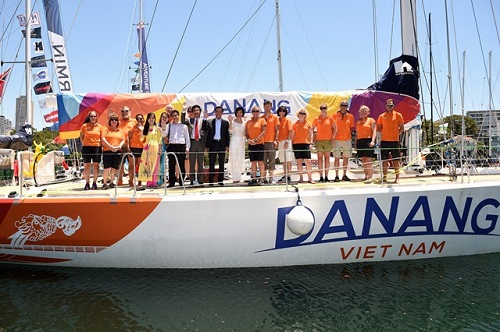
x=149, y=157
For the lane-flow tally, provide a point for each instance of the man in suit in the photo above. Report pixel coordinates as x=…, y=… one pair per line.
x=197, y=133
x=217, y=145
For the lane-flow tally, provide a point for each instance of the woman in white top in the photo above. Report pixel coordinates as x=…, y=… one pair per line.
x=237, y=144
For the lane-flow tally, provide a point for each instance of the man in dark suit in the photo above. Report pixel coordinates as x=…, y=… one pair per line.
x=217, y=145
x=197, y=133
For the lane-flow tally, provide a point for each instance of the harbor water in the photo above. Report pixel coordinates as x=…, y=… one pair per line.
x=445, y=294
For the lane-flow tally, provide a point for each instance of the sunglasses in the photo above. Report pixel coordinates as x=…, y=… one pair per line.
x=389, y=105
x=255, y=111
x=124, y=111
x=114, y=120
x=322, y=108
x=302, y=113
x=93, y=116
x=343, y=105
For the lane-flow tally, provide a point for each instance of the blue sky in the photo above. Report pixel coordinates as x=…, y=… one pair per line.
x=326, y=46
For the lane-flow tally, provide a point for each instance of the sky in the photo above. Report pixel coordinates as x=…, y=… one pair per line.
x=326, y=46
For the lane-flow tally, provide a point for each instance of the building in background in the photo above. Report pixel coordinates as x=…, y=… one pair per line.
x=21, y=112
x=5, y=125
x=487, y=132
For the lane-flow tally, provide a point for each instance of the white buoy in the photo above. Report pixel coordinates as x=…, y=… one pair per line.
x=300, y=220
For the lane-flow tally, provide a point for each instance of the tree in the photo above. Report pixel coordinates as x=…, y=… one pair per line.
x=454, y=128
x=45, y=137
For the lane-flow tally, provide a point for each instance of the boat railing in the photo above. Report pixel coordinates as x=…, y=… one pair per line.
x=122, y=162
x=181, y=176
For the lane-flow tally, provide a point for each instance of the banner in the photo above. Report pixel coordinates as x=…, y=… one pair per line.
x=42, y=88
x=38, y=46
x=38, y=61
x=35, y=19
x=145, y=85
x=42, y=103
x=41, y=75
x=74, y=108
x=58, y=46
x=51, y=117
x=34, y=33
x=3, y=80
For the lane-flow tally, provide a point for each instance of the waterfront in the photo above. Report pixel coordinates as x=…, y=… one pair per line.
x=448, y=294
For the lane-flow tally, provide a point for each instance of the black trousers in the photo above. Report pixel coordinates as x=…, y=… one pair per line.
x=180, y=152
x=217, y=150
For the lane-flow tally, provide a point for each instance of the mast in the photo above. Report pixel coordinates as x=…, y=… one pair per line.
x=141, y=45
x=449, y=72
x=490, y=120
x=462, y=145
x=29, y=109
x=280, y=71
x=430, y=66
x=408, y=27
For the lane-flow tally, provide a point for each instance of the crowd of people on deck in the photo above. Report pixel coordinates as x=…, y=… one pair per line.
x=189, y=135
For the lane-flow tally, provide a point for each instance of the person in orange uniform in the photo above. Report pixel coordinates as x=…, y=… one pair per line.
x=112, y=144
x=342, y=144
x=270, y=141
x=366, y=134
x=302, y=136
x=325, y=131
x=390, y=124
x=126, y=124
x=255, y=129
x=136, y=145
x=285, y=143
x=91, y=135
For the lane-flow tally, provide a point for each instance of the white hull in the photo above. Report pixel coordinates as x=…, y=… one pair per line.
x=249, y=229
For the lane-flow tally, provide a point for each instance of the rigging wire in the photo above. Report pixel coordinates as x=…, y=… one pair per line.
x=495, y=20
x=126, y=56
x=310, y=47
x=179, y=46
x=259, y=56
x=482, y=50
x=220, y=52
x=375, y=41
x=392, y=29
x=245, y=54
x=479, y=36
x=298, y=63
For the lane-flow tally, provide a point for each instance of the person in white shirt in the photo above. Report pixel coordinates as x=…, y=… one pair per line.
x=179, y=143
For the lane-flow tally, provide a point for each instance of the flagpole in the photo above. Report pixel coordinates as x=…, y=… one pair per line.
x=141, y=45
x=29, y=108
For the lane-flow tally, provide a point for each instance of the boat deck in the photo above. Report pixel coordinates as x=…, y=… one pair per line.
x=74, y=188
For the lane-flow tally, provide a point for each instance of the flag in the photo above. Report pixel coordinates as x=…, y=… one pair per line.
x=38, y=46
x=41, y=75
x=136, y=87
x=58, y=45
x=51, y=117
x=59, y=140
x=137, y=63
x=38, y=61
x=42, y=88
x=42, y=103
x=137, y=55
x=34, y=33
x=144, y=63
x=443, y=128
x=3, y=79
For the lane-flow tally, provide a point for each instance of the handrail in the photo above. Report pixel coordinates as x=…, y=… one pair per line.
x=133, y=170
x=181, y=176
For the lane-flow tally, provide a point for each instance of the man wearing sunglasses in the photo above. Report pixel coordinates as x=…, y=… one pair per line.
x=390, y=124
